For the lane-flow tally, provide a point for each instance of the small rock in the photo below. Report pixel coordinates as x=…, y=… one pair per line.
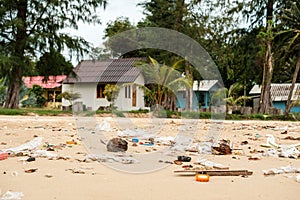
x=117, y=144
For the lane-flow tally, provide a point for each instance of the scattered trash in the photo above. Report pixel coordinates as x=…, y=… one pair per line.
x=209, y=164
x=109, y=158
x=77, y=171
x=184, y=158
x=30, y=170
x=284, y=132
x=75, y=142
x=30, y=159
x=3, y=155
x=244, y=143
x=223, y=148
x=44, y=154
x=182, y=142
x=26, y=147
x=137, y=133
x=254, y=158
x=103, y=126
x=48, y=175
x=14, y=173
x=205, y=147
x=202, y=177
x=9, y=195
x=291, y=138
x=281, y=170
x=136, y=140
x=276, y=150
x=298, y=178
x=116, y=145
x=177, y=162
x=244, y=173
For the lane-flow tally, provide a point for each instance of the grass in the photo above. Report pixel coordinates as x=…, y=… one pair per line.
x=38, y=111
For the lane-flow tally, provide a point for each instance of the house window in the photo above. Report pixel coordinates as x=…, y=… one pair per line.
x=100, y=90
x=128, y=91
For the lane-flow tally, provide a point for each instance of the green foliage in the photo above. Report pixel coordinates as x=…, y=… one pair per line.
x=111, y=92
x=164, y=81
x=53, y=63
x=69, y=96
x=35, y=97
x=30, y=28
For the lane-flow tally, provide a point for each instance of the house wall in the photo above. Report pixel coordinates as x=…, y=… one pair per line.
x=125, y=104
x=88, y=96
x=181, y=100
x=281, y=105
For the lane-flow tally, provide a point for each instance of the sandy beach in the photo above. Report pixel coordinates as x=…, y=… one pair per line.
x=69, y=175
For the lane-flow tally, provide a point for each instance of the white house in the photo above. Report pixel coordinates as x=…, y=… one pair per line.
x=92, y=76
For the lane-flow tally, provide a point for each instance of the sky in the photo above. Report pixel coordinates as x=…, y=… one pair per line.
x=114, y=9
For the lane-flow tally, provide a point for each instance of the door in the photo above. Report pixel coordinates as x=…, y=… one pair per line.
x=134, y=95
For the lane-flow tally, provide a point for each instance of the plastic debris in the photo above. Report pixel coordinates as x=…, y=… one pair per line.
x=9, y=195
x=276, y=150
x=110, y=158
x=26, y=147
x=298, y=178
x=137, y=133
x=281, y=170
x=44, y=154
x=209, y=164
x=103, y=126
x=205, y=147
x=182, y=142
x=117, y=144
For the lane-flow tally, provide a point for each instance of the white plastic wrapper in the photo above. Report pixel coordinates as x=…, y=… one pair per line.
x=9, y=195
x=31, y=145
x=111, y=158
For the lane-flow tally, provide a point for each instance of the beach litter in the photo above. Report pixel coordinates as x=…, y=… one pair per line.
x=283, y=170
x=31, y=145
x=116, y=145
x=277, y=150
x=124, y=159
x=9, y=195
x=210, y=164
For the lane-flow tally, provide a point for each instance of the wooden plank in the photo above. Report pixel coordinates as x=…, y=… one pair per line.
x=216, y=172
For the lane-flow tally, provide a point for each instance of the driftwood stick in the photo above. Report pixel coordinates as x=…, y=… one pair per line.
x=216, y=172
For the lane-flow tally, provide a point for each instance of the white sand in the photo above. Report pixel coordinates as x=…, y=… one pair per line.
x=102, y=182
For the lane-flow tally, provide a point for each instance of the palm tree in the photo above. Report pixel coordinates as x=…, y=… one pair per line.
x=232, y=95
x=291, y=36
x=163, y=82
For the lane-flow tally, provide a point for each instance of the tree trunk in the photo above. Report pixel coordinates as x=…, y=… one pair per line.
x=15, y=76
x=189, y=90
x=288, y=102
x=13, y=91
x=265, y=98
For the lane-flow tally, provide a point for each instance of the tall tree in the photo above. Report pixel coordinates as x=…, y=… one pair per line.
x=31, y=27
x=291, y=38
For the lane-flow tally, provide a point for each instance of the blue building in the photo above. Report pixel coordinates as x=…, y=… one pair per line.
x=279, y=95
x=202, y=91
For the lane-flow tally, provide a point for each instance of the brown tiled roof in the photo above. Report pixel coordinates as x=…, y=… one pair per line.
x=279, y=91
x=108, y=71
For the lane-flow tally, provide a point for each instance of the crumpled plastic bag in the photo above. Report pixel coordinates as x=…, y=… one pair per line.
x=9, y=195
x=26, y=147
x=137, y=133
x=281, y=170
x=182, y=142
x=103, y=126
x=205, y=147
x=110, y=158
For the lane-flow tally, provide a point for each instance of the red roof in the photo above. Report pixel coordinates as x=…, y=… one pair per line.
x=53, y=81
